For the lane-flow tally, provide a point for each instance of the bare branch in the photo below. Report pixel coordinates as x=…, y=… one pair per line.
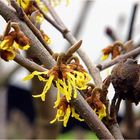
x=132, y=21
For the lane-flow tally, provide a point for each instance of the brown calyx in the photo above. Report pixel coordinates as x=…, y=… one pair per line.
x=60, y=71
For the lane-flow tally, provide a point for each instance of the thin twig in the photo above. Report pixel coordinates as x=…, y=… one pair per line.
x=114, y=127
x=111, y=34
x=132, y=21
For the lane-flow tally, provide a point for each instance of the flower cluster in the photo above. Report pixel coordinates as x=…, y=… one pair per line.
x=64, y=111
x=11, y=43
x=114, y=50
x=31, y=9
x=93, y=98
x=67, y=78
x=30, y=6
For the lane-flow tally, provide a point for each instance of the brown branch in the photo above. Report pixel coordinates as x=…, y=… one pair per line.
x=38, y=49
x=45, y=111
x=23, y=16
x=93, y=70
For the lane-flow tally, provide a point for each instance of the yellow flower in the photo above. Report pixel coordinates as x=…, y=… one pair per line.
x=39, y=18
x=93, y=98
x=82, y=78
x=113, y=50
x=67, y=81
x=46, y=37
x=24, y=4
x=18, y=46
x=101, y=112
x=104, y=57
x=7, y=52
x=64, y=111
x=11, y=43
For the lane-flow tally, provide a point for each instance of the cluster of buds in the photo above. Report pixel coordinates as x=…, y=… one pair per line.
x=12, y=42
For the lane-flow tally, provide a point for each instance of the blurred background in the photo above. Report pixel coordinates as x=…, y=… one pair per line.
x=88, y=20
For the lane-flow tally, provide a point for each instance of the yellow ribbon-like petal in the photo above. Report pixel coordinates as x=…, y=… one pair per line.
x=101, y=113
x=46, y=88
x=30, y=76
x=59, y=115
x=75, y=115
x=67, y=115
x=24, y=3
x=58, y=98
x=104, y=57
x=17, y=46
x=5, y=44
